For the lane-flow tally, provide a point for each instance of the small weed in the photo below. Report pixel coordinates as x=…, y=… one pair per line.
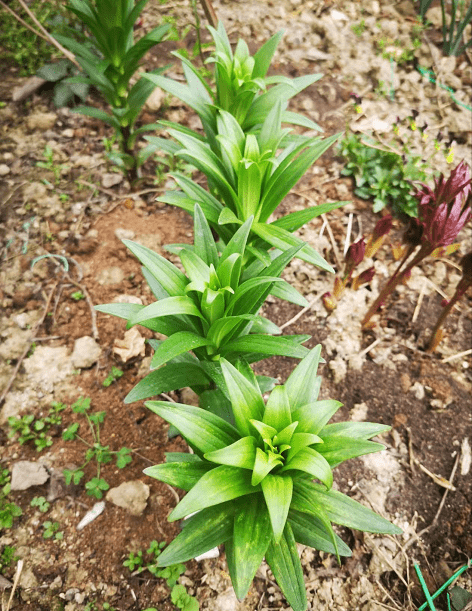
x=7, y=558
x=114, y=375
x=8, y=511
x=41, y=503
x=179, y=594
x=51, y=530
x=29, y=428
x=77, y=295
x=358, y=28
x=49, y=164
x=97, y=452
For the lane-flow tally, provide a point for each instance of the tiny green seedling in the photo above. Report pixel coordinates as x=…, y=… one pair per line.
x=96, y=451
x=77, y=295
x=8, y=511
x=41, y=503
x=51, y=531
x=114, y=375
x=29, y=428
x=50, y=165
x=179, y=594
x=7, y=557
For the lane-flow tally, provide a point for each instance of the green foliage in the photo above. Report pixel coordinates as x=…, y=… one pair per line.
x=41, y=503
x=171, y=573
x=383, y=175
x=51, y=531
x=22, y=46
x=212, y=311
x=251, y=487
x=50, y=165
x=77, y=295
x=29, y=428
x=459, y=17
x=96, y=451
x=358, y=28
x=8, y=510
x=7, y=558
x=110, y=59
x=65, y=91
x=114, y=375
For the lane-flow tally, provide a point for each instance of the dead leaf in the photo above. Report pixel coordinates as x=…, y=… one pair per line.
x=133, y=344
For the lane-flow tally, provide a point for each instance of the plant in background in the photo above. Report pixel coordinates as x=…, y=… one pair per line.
x=95, y=450
x=30, y=428
x=51, y=530
x=170, y=573
x=114, y=375
x=211, y=310
x=250, y=485
x=239, y=152
x=65, y=91
x=459, y=18
x=464, y=284
x=7, y=558
x=41, y=503
x=356, y=253
x=382, y=175
x=8, y=510
x=442, y=213
x=110, y=64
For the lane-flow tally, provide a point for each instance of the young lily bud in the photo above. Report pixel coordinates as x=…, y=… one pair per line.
x=355, y=254
x=339, y=286
x=364, y=278
x=329, y=302
x=381, y=229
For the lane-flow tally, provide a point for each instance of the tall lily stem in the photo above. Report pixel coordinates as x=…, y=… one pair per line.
x=397, y=277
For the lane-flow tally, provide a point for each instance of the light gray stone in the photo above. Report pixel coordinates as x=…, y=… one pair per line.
x=41, y=120
x=47, y=366
x=112, y=179
x=25, y=474
x=4, y=169
x=111, y=275
x=28, y=88
x=155, y=100
x=86, y=352
x=124, y=234
x=132, y=496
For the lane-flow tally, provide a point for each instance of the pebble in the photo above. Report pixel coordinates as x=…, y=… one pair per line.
x=4, y=169
x=111, y=275
x=68, y=133
x=418, y=390
x=41, y=120
x=123, y=298
x=124, y=234
x=132, y=496
x=110, y=180
x=405, y=382
x=86, y=352
x=26, y=474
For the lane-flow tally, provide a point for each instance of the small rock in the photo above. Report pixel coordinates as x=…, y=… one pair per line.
x=25, y=474
x=4, y=169
x=132, y=496
x=155, y=100
x=48, y=366
x=86, y=352
x=418, y=390
x=466, y=456
x=110, y=180
x=84, y=161
x=41, y=121
x=152, y=241
x=111, y=275
x=124, y=234
x=405, y=382
x=68, y=133
x=359, y=412
x=123, y=298
x=339, y=369
x=189, y=397
x=211, y=553
x=35, y=191
x=28, y=88
x=91, y=515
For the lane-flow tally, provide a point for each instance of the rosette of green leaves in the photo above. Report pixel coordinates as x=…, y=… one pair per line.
x=211, y=310
x=250, y=176
x=242, y=87
x=252, y=482
x=110, y=59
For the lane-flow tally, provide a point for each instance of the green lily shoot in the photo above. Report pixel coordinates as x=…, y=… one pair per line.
x=264, y=482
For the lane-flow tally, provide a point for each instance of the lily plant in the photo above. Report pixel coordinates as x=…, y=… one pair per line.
x=110, y=59
x=250, y=484
x=211, y=310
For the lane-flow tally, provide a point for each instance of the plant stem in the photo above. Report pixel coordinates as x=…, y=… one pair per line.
x=436, y=337
x=397, y=277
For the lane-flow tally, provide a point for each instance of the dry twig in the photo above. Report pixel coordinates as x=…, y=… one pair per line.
x=297, y=316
